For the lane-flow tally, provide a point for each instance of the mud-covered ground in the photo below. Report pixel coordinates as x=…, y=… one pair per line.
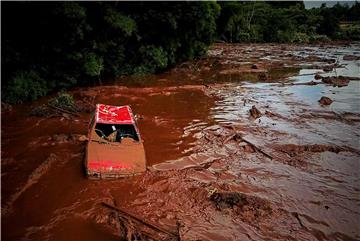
x=286, y=170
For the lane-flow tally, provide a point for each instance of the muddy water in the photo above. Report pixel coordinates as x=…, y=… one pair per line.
x=297, y=166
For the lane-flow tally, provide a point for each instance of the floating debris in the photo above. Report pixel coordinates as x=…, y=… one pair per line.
x=325, y=100
x=340, y=81
x=254, y=112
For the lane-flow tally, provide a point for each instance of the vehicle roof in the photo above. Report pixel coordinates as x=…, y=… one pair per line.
x=109, y=114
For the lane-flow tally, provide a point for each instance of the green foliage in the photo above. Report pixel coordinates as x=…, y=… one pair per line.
x=63, y=100
x=283, y=22
x=74, y=43
x=349, y=31
x=319, y=38
x=329, y=24
x=121, y=22
x=301, y=38
x=154, y=58
x=25, y=86
x=93, y=64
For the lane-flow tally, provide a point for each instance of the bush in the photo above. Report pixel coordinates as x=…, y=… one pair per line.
x=93, y=65
x=284, y=36
x=349, y=32
x=73, y=43
x=25, y=86
x=301, y=38
x=154, y=58
x=318, y=38
x=63, y=100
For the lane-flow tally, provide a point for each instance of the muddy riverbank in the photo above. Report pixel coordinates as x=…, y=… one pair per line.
x=288, y=172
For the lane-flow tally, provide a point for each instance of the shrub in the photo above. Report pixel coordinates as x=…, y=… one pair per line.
x=93, y=65
x=350, y=32
x=25, y=86
x=319, y=37
x=301, y=38
x=154, y=58
x=63, y=100
x=284, y=36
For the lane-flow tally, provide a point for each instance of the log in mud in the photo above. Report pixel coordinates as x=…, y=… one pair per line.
x=289, y=172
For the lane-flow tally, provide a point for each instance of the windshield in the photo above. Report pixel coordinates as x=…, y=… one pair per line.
x=115, y=133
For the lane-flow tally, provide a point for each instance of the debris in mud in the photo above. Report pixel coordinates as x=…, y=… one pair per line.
x=60, y=138
x=50, y=111
x=263, y=77
x=64, y=101
x=336, y=81
x=246, y=145
x=41, y=111
x=62, y=106
x=249, y=148
x=315, y=58
x=328, y=68
x=293, y=150
x=82, y=138
x=241, y=70
x=85, y=106
x=206, y=68
x=64, y=138
x=236, y=137
x=163, y=80
x=272, y=114
x=254, y=112
x=311, y=83
x=6, y=107
x=317, y=77
x=351, y=58
x=296, y=155
x=227, y=200
x=307, y=83
x=250, y=208
x=325, y=100
x=135, y=228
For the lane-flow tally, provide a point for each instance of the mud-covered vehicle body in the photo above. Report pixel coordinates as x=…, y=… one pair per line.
x=115, y=148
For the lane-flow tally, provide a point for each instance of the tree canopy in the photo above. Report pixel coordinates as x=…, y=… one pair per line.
x=55, y=45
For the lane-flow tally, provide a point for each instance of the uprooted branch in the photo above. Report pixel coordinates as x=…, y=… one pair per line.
x=129, y=219
x=238, y=137
x=63, y=110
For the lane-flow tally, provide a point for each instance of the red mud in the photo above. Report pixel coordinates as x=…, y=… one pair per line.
x=213, y=174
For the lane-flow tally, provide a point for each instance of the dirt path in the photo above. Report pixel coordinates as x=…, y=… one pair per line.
x=216, y=172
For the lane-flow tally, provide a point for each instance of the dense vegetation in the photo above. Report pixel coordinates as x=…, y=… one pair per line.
x=55, y=45
x=286, y=22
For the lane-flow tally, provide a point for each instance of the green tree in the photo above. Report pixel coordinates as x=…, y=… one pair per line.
x=93, y=65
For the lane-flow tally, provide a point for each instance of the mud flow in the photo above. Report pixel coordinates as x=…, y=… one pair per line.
x=252, y=142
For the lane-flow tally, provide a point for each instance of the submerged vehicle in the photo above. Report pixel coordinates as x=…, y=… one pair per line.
x=115, y=148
